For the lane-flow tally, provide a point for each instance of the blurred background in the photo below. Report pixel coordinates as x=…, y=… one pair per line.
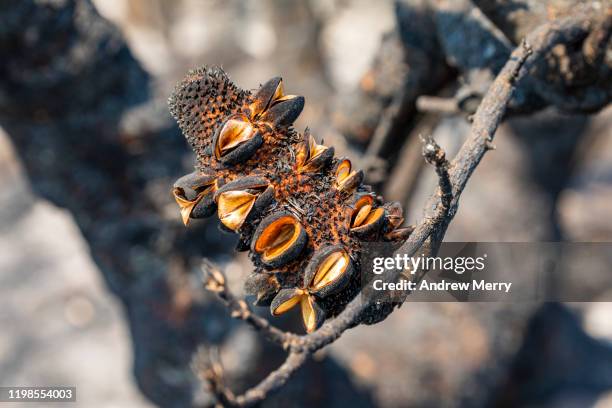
x=99, y=281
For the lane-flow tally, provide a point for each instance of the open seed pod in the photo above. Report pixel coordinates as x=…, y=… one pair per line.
x=279, y=239
x=271, y=105
x=271, y=90
x=285, y=300
x=284, y=111
x=312, y=157
x=195, y=182
x=366, y=221
x=347, y=179
x=329, y=271
x=242, y=200
x=313, y=315
x=236, y=140
x=193, y=193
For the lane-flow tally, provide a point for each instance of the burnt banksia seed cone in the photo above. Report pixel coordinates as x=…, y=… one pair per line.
x=302, y=213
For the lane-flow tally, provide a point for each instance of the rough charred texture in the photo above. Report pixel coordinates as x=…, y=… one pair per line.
x=314, y=193
x=518, y=18
x=408, y=64
x=67, y=83
x=437, y=42
x=574, y=77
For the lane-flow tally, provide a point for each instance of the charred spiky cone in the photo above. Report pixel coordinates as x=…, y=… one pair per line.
x=302, y=213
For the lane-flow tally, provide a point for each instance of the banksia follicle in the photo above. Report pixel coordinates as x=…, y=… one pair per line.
x=302, y=213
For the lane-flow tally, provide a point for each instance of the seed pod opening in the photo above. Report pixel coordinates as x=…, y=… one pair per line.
x=233, y=208
x=328, y=271
x=193, y=194
x=343, y=169
x=285, y=300
x=236, y=140
x=365, y=219
x=346, y=178
x=242, y=200
x=284, y=111
x=193, y=183
x=311, y=157
x=271, y=90
x=313, y=315
x=279, y=239
x=273, y=106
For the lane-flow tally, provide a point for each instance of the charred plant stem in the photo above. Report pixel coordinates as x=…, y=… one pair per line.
x=437, y=104
x=274, y=380
x=208, y=365
x=435, y=156
x=216, y=282
x=211, y=371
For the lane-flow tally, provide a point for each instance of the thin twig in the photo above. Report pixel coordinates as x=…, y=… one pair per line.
x=435, y=156
x=274, y=380
x=210, y=370
x=216, y=282
x=465, y=101
x=437, y=104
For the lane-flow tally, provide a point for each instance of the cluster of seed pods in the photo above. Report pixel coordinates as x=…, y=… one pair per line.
x=301, y=212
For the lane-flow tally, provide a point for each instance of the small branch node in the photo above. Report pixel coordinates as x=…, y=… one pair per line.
x=527, y=47
x=214, y=279
x=207, y=366
x=432, y=152
x=435, y=155
x=437, y=104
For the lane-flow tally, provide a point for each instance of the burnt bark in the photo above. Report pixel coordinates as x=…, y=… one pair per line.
x=70, y=91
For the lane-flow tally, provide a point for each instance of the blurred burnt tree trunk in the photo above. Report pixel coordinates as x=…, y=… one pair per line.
x=71, y=98
x=381, y=111
x=94, y=139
